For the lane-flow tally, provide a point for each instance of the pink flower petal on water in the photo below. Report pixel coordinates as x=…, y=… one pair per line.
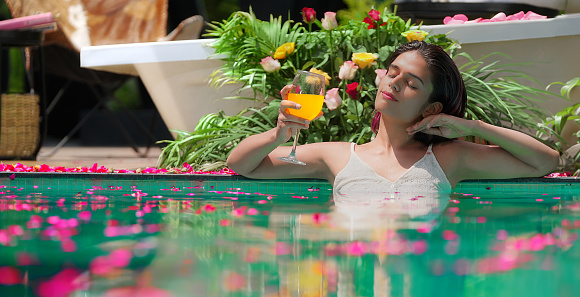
x=282, y=248
x=225, y=222
x=12, y=176
x=25, y=259
x=60, y=285
x=101, y=265
x=450, y=235
x=68, y=246
x=10, y=276
x=234, y=281
x=120, y=258
x=253, y=212
x=419, y=247
x=356, y=248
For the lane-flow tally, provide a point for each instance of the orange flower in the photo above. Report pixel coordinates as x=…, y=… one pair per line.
x=283, y=50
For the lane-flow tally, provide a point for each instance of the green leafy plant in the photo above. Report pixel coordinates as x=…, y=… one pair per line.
x=552, y=127
x=245, y=41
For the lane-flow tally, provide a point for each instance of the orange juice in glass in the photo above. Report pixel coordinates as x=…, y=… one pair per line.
x=308, y=91
x=311, y=105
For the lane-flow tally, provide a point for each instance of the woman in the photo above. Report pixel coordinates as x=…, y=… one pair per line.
x=420, y=106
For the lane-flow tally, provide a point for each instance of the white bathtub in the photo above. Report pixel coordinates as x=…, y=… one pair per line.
x=175, y=72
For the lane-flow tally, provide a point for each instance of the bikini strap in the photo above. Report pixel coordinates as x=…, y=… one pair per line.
x=352, y=144
x=430, y=149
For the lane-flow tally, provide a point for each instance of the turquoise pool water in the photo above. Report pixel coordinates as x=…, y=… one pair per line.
x=150, y=235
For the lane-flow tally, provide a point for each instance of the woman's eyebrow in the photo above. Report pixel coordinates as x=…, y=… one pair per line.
x=411, y=74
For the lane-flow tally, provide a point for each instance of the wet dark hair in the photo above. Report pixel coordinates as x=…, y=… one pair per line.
x=448, y=86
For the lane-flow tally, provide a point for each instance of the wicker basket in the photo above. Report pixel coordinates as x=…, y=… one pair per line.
x=19, y=126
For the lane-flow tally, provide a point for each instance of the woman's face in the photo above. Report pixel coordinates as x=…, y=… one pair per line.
x=404, y=92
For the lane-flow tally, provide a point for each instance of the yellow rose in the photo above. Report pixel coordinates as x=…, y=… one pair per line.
x=326, y=76
x=364, y=60
x=418, y=35
x=283, y=50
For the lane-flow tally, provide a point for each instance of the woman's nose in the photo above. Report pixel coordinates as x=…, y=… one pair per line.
x=394, y=84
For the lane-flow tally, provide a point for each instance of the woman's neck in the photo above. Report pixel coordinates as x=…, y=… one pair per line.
x=395, y=136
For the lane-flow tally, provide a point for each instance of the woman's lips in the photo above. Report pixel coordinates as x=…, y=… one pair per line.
x=389, y=96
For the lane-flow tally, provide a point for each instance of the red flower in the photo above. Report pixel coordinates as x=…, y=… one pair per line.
x=308, y=15
x=373, y=19
x=352, y=90
x=375, y=15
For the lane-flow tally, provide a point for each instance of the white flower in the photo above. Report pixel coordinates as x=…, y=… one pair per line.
x=332, y=99
x=269, y=64
x=380, y=74
x=329, y=20
x=347, y=70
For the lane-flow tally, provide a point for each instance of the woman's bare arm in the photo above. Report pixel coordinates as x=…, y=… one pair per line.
x=256, y=156
x=514, y=154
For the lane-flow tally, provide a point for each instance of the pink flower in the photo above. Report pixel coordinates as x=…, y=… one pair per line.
x=381, y=73
x=347, y=70
x=270, y=64
x=332, y=99
x=329, y=20
x=352, y=90
x=308, y=15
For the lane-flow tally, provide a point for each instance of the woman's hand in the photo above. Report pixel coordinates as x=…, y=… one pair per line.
x=288, y=124
x=443, y=125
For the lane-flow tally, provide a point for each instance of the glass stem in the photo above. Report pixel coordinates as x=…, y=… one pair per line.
x=293, y=153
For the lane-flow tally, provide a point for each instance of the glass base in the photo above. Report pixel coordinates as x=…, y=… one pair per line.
x=291, y=159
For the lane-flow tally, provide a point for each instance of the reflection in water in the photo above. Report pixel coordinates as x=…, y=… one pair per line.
x=110, y=241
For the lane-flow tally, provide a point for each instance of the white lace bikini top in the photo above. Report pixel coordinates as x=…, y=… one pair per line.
x=425, y=175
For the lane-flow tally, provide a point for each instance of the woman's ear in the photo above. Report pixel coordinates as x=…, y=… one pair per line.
x=432, y=109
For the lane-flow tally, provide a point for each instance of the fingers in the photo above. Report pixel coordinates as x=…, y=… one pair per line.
x=425, y=123
x=285, y=90
x=291, y=121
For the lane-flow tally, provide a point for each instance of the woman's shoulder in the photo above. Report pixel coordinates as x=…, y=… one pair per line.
x=334, y=154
